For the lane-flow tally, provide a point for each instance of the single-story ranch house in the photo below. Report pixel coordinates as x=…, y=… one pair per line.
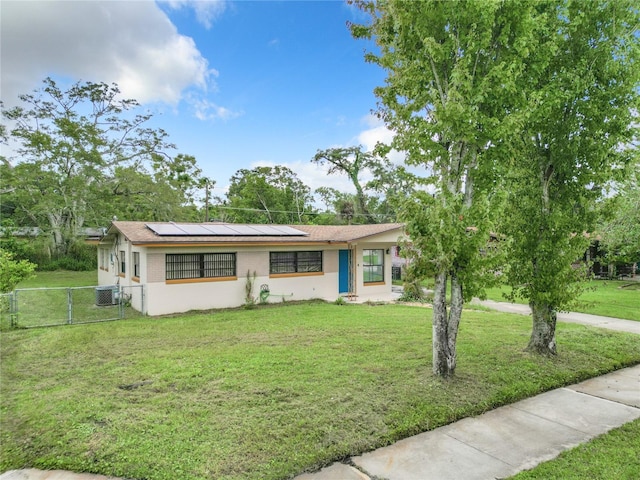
x=188, y=266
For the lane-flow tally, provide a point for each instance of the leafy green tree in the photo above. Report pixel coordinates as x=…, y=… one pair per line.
x=267, y=195
x=12, y=272
x=181, y=174
x=579, y=104
x=20, y=249
x=71, y=143
x=620, y=233
x=135, y=194
x=395, y=184
x=342, y=207
x=351, y=161
x=339, y=206
x=444, y=61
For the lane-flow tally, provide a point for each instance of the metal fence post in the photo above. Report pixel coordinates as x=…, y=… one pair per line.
x=69, y=306
x=120, y=302
x=13, y=309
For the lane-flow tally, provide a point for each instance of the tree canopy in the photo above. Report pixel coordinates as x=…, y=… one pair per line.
x=267, y=195
x=443, y=62
x=578, y=112
x=619, y=229
x=352, y=162
x=524, y=105
x=85, y=155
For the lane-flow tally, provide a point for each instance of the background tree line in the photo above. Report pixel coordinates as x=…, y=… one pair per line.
x=85, y=156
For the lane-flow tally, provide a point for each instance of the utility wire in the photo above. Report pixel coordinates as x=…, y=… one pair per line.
x=301, y=213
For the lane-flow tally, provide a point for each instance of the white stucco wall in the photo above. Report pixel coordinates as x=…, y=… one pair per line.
x=108, y=271
x=105, y=266
x=162, y=297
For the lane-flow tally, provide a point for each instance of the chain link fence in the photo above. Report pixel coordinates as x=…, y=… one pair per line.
x=40, y=307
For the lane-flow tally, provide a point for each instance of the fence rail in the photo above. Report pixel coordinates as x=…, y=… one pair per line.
x=40, y=307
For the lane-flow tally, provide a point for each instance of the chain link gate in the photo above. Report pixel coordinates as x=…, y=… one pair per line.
x=40, y=307
x=7, y=318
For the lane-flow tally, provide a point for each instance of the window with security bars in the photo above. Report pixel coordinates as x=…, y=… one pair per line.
x=295, y=262
x=373, y=266
x=200, y=265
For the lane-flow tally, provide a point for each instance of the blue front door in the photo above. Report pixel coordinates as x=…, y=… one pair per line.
x=343, y=272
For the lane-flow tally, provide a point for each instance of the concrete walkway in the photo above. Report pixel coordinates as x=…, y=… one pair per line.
x=497, y=444
x=629, y=326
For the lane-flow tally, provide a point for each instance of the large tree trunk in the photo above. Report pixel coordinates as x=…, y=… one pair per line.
x=56, y=224
x=543, y=333
x=362, y=202
x=445, y=325
x=66, y=228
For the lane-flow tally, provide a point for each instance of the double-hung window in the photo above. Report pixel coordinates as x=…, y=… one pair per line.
x=373, y=266
x=122, y=264
x=104, y=259
x=136, y=264
x=295, y=262
x=183, y=266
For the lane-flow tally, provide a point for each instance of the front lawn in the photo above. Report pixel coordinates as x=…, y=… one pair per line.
x=611, y=298
x=264, y=393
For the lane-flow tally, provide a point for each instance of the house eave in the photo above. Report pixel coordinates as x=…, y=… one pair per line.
x=229, y=244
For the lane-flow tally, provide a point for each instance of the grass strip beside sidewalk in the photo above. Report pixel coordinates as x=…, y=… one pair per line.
x=612, y=455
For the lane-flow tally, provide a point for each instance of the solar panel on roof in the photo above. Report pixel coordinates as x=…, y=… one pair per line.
x=265, y=229
x=244, y=230
x=195, y=230
x=164, y=229
x=221, y=230
x=217, y=229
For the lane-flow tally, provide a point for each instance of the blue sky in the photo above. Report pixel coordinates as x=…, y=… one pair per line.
x=237, y=84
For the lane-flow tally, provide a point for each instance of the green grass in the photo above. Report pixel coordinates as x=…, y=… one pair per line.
x=611, y=298
x=264, y=393
x=618, y=299
x=612, y=455
x=61, y=278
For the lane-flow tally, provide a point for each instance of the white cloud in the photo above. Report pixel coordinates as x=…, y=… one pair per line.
x=378, y=133
x=206, y=10
x=314, y=175
x=133, y=44
x=206, y=110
